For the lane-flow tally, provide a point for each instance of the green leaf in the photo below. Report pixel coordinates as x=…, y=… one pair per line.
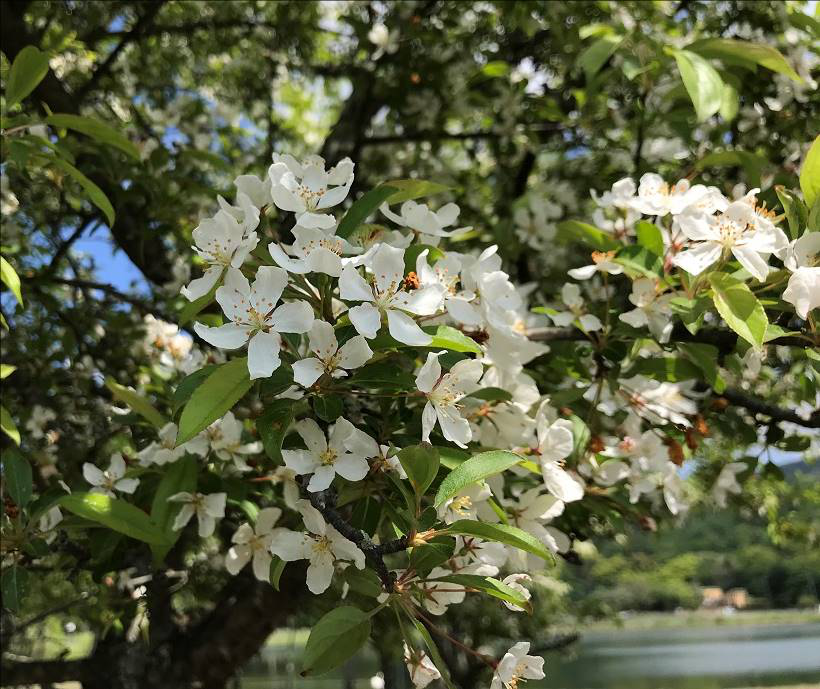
x=668, y=368
x=365, y=582
x=410, y=189
x=328, y=407
x=27, y=70
x=588, y=234
x=594, y=57
x=8, y=426
x=10, y=279
x=6, y=370
x=810, y=174
x=179, y=477
x=745, y=53
x=17, y=477
x=94, y=193
x=729, y=102
x=490, y=586
x=473, y=470
x=96, y=130
x=136, y=402
x=649, y=237
x=383, y=375
x=421, y=465
x=425, y=557
x=445, y=337
x=751, y=163
x=691, y=311
x=335, y=638
x=272, y=426
x=13, y=587
x=277, y=566
x=501, y=533
x=637, y=259
x=364, y=206
x=702, y=82
x=491, y=395
x=452, y=457
x=740, y=308
x=117, y=515
x=413, y=251
x=221, y=390
x=187, y=386
x=705, y=356
x=797, y=214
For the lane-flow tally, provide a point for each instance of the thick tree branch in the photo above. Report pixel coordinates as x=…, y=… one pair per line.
x=756, y=406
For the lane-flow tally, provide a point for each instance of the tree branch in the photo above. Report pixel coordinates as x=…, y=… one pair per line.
x=756, y=406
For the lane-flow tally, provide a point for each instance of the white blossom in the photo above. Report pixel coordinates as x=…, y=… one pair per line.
x=207, y=508
x=166, y=451
x=516, y=666
x=571, y=296
x=112, y=479
x=421, y=669
x=253, y=543
x=225, y=437
x=330, y=359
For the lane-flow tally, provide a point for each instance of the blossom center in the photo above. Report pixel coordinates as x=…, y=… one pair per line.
x=328, y=457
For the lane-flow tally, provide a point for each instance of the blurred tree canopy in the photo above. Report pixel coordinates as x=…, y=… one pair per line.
x=508, y=103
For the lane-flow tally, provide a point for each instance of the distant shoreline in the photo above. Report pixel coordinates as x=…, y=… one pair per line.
x=701, y=618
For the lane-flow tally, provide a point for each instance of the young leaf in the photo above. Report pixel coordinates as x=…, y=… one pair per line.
x=17, y=476
x=96, y=130
x=421, y=465
x=502, y=533
x=637, y=259
x=740, y=308
x=94, y=193
x=221, y=390
x=6, y=370
x=691, y=311
x=179, y=477
x=8, y=426
x=335, y=638
x=272, y=426
x=328, y=407
x=117, y=515
x=10, y=279
x=27, y=70
x=473, y=470
x=445, y=337
x=362, y=207
x=649, y=236
x=277, y=566
x=594, y=57
x=702, y=82
x=409, y=189
x=136, y=402
x=745, y=53
x=797, y=214
x=810, y=174
x=13, y=587
x=705, y=357
x=490, y=586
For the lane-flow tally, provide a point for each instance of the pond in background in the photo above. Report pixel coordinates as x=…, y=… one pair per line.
x=711, y=658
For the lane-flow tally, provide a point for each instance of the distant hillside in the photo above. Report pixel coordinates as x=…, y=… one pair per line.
x=791, y=469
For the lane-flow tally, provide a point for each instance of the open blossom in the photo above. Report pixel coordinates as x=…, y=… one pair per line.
x=421, y=669
x=534, y=222
x=225, y=436
x=112, y=479
x=656, y=197
x=253, y=543
x=165, y=451
x=444, y=392
x=727, y=482
x=428, y=223
x=444, y=276
x=801, y=257
x=515, y=581
x=330, y=359
x=601, y=263
x=223, y=243
x=305, y=188
x=555, y=443
x=615, y=213
x=386, y=298
x=322, y=546
x=469, y=503
x=531, y=512
x=344, y=452
x=386, y=41
x=516, y=667
x=571, y=296
x=255, y=318
x=749, y=236
x=314, y=250
x=207, y=508
x=437, y=596
x=651, y=309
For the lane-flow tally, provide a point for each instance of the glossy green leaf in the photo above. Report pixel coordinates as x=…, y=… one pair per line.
x=501, y=533
x=6, y=370
x=136, y=402
x=797, y=215
x=490, y=586
x=702, y=82
x=491, y=395
x=17, y=477
x=739, y=307
x=810, y=174
x=179, y=477
x=92, y=191
x=410, y=189
x=705, y=357
x=27, y=70
x=96, y=130
x=473, y=470
x=277, y=566
x=670, y=369
x=745, y=53
x=421, y=465
x=639, y=260
x=211, y=400
x=337, y=636
x=586, y=233
x=445, y=337
x=188, y=384
x=691, y=311
x=10, y=279
x=649, y=236
x=272, y=426
x=363, y=207
x=328, y=407
x=117, y=515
